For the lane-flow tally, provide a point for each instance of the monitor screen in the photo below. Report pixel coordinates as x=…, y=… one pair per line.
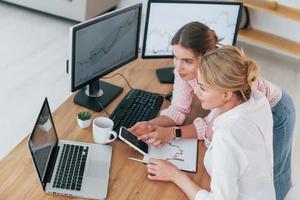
x=103, y=44
x=164, y=18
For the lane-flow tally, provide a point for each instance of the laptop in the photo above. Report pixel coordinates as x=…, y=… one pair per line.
x=65, y=167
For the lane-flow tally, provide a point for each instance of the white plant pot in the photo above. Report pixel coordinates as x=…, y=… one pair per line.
x=84, y=123
x=46, y=126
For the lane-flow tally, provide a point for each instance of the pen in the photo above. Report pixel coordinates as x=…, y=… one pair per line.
x=138, y=160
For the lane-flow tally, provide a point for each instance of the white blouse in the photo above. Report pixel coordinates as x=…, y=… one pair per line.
x=239, y=158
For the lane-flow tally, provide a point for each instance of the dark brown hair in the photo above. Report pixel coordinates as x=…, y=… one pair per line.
x=196, y=36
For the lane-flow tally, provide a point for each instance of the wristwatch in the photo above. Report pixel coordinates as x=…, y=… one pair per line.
x=177, y=133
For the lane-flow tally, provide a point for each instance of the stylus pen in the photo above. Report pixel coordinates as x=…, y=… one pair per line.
x=138, y=160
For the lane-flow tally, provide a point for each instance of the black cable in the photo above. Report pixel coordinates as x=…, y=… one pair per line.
x=99, y=103
x=108, y=77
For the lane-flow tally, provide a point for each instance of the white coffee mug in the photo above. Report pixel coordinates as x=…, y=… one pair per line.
x=102, y=130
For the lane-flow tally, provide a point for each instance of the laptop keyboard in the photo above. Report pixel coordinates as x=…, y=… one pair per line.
x=71, y=167
x=41, y=156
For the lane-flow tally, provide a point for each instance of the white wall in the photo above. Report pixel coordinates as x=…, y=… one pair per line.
x=275, y=24
x=292, y=3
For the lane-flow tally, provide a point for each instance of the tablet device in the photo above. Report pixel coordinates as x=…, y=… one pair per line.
x=132, y=140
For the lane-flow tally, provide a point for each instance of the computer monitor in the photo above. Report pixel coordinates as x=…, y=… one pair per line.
x=164, y=18
x=98, y=47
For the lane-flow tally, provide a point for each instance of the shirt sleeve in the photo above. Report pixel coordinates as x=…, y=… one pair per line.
x=271, y=91
x=202, y=123
x=225, y=170
x=201, y=126
x=181, y=100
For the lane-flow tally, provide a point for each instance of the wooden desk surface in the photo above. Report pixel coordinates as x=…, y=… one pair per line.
x=128, y=179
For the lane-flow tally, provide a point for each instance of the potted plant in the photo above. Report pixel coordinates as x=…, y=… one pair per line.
x=44, y=123
x=84, y=119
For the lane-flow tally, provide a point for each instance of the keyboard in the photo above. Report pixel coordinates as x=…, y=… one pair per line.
x=137, y=105
x=41, y=157
x=71, y=167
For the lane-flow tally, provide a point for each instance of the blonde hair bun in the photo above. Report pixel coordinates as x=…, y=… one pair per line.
x=228, y=69
x=252, y=71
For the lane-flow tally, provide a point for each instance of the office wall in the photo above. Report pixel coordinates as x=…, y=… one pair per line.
x=263, y=21
x=275, y=24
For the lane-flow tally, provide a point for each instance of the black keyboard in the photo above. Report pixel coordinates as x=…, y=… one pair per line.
x=137, y=105
x=71, y=166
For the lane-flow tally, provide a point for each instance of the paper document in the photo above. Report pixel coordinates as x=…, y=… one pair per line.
x=182, y=153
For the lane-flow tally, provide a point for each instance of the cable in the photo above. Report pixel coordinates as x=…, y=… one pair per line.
x=100, y=104
x=108, y=77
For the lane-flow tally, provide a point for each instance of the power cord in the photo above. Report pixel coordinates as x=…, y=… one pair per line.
x=106, y=112
x=167, y=96
x=100, y=104
x=108, y=77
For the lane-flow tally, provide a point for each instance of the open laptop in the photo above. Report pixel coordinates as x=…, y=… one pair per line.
x=67, y=167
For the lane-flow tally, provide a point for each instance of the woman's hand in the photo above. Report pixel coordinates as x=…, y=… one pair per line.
x=162, y=170
x=159, y=136
x=142, y=128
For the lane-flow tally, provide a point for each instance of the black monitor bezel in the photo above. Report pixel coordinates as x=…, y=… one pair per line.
x=240, y=4
x=80, y=26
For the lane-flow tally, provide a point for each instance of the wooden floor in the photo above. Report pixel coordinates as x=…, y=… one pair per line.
x=33, y=51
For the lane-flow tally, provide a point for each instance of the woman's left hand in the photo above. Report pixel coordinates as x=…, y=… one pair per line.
x=162, y=170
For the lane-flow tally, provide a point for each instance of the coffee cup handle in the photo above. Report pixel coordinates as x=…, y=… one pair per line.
x=115, y=137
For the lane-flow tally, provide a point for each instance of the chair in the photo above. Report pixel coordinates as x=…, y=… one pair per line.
x=294, y=192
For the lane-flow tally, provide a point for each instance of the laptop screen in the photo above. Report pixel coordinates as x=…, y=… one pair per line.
x=42, y=140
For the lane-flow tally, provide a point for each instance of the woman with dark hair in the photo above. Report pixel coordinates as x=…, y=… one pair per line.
x=190, y=43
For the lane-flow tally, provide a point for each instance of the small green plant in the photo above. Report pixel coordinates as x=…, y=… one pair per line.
x=42, y=120
x=84, y=115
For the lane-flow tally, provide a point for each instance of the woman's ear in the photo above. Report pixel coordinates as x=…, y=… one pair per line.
x=228, y=96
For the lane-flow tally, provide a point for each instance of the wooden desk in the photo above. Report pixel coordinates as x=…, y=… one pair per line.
x=127, y=178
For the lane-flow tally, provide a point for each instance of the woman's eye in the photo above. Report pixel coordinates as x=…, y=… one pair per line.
x=188, y=61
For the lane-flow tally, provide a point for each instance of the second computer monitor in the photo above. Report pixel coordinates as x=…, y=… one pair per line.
x=98, y=47
x=164, y=18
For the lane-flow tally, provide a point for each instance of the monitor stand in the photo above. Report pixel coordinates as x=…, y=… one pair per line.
x=165, y=75
x=97, y=95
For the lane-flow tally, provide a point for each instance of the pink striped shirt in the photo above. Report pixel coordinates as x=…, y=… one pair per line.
x=183, y=92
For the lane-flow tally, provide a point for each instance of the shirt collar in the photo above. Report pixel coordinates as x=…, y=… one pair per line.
x=234, y=113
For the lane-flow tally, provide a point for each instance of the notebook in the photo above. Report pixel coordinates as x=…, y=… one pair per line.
x=68, y=168
x=182, y=153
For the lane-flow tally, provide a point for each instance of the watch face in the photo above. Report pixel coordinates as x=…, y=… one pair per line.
x=178, y=133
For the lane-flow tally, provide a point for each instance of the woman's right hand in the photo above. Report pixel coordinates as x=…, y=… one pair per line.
x=142, y=128
x=152, y=134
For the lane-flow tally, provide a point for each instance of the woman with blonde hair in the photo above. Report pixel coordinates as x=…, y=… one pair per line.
x=189, y=44
x=239, y=157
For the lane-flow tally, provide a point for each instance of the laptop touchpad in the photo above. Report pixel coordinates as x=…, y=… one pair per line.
x=98, y=169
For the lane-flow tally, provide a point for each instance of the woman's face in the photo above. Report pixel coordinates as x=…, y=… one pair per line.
x=209, y=98
x=186, y=62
